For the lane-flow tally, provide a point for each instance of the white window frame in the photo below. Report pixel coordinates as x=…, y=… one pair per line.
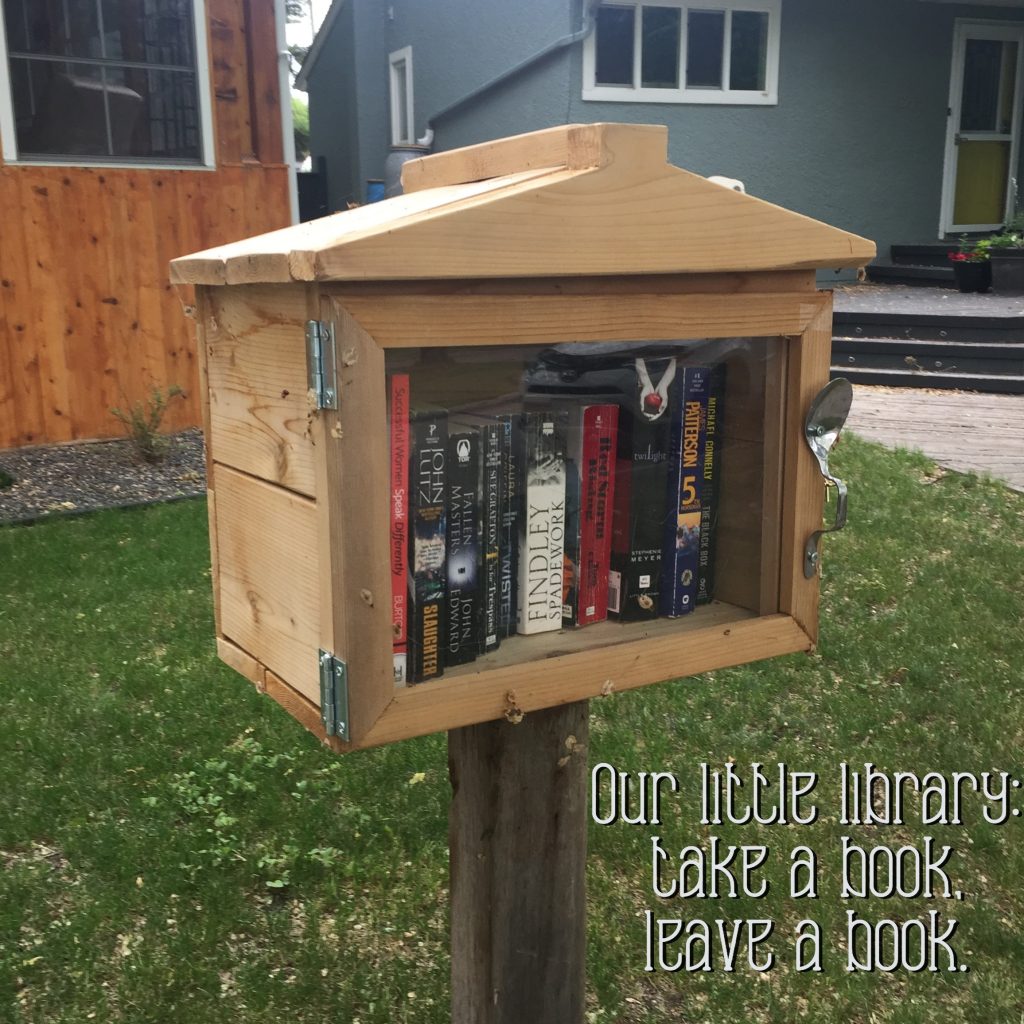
x=207, y=161
x=963, y=30
x=637, y=94
x=395, y=58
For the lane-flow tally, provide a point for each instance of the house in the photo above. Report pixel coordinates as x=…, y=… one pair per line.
x=898, y=119
x=131, y=131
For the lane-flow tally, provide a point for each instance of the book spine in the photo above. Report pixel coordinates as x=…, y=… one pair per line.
x=640, y=486
x=463, y=549
x=491, y=533
x=511, y=501
x=712, y=473
x=571, y=557
x=430, y=458
x=542, y=525
x=685, y=480
x=597, y=487
x=399, y=543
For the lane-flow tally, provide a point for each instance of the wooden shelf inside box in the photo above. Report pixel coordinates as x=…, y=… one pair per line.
x=524, y=650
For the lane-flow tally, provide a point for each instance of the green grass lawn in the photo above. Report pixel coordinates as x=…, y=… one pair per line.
x=174, y=848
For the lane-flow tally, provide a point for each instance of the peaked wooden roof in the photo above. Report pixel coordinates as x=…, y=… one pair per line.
x=572, y=200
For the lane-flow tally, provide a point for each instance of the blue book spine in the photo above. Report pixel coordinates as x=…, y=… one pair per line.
x=681, y=550
x=709, y=487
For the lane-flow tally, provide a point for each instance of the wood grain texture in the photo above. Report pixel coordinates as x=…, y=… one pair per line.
x=269, y=576
x=241, y=661
x=87, y=318
x=760, y=282
x=803, y=489
x=571, y=146
x=730, y=636
x=625, y=211
x=518, y=839
x=432, y=321
x=592, y=669
x=355, y=519
x=292, y=254
x=255, y=343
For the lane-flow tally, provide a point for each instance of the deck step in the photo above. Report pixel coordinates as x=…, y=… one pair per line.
x=931, y=356
x=934, y=254
x=929, y=327
x=928, y=276
x=1005, y=384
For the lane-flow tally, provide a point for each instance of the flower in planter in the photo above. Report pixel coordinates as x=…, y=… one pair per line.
x=971, y=252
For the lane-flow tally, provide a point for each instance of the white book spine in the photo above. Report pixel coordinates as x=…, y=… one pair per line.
x=542, y=524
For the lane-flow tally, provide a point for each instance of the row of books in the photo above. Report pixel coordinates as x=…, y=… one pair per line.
x=559, y=513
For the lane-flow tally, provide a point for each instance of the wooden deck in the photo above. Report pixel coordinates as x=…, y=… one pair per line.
x=960, y=430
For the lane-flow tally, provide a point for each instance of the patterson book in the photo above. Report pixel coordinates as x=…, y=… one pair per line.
x=685, y=489
x=428, y=569
x=542, y=523
x=399, y=537
x=712, y=472
x=463, y=549
x=591, y=456
x=638, y=523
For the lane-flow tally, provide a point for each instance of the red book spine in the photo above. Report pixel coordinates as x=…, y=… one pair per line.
x=399, y=401
x=597, y=497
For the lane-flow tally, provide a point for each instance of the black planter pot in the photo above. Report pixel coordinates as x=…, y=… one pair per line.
x=972, y=277
x=1008, y=271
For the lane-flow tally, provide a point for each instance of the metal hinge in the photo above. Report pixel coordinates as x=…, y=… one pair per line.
x=334, y=695
x=320, y=363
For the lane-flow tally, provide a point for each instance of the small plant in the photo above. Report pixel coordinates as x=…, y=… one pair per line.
x=6, y=480
x=970, y=251
x=1007, y=240
x=142, y=422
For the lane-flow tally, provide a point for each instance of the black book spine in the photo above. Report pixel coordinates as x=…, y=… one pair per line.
x=511, y=502
x=427, y=562
x=463, y=549
x=640, y=487
x=491, y=533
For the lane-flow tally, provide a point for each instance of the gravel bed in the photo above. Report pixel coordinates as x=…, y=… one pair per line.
x=67, y=479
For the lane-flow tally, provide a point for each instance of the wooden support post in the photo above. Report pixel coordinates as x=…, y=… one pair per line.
x=518, y=838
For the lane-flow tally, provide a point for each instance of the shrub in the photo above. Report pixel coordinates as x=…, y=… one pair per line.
x=142, y=422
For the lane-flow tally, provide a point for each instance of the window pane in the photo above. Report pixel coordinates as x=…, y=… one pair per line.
x=153, y=114
x=66, y=29
x=748, y=67
x=149, y=31
x=983, y=65
x=615, y=27
x=84, y=110
x=705, y=33
x=660, y=53
x=1008, y=88
x=59, y=108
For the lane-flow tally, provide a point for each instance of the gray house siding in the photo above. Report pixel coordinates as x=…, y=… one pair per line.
x=857, y=138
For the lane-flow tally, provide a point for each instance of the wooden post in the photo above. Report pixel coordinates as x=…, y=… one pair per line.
x=518, y=838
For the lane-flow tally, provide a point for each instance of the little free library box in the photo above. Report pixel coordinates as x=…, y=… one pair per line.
x=529, y=433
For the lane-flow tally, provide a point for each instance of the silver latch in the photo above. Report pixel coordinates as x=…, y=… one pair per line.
x=320, y=363
x=334, y=695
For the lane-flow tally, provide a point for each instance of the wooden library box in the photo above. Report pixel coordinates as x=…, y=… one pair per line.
x=415, y=523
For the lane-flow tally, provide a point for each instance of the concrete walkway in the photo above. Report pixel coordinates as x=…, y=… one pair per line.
x=960, y=430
